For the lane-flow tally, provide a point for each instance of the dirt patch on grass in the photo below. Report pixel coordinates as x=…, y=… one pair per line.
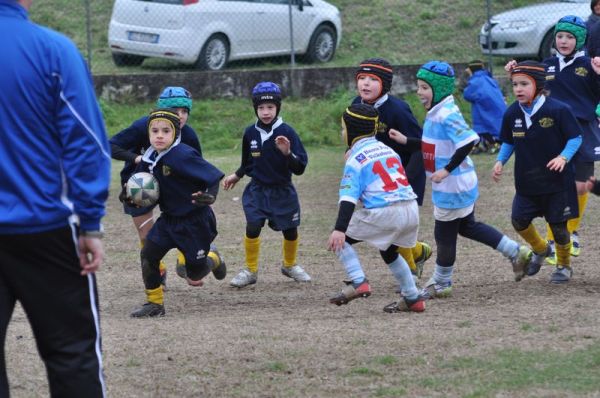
x=283, y=339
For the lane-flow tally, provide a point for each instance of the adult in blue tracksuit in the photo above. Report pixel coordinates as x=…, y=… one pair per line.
x=55, y=176
x=487, y=104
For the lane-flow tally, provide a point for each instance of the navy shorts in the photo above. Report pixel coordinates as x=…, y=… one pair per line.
x=278, y=205
x=191, y=234
x=554, y=207
x=137, y=211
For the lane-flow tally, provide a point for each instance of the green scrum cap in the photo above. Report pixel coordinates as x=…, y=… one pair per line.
x=440, y=76
x=575, y=26
x=175, y=97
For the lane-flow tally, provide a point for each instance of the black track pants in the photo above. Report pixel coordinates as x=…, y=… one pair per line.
x=42, y=272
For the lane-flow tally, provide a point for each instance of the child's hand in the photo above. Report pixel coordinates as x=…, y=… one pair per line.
x=557, y=164
x=397, y=136
x=230, y=181
x=510, y=65
x=125, y=198
x=138, y=159
x=439, y=175
x=203, y=199
x=497, y=171
x=283, y=144
x=589, y=184
x=596, y=65
x=336, y=241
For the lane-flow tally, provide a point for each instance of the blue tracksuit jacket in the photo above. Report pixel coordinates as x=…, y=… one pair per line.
x=55, y=159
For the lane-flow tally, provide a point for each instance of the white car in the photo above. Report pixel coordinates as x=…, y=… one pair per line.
x=209, y=33
x=527, y=32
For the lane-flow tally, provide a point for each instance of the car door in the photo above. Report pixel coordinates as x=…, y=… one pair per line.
x=236, y=18
x=273, y=20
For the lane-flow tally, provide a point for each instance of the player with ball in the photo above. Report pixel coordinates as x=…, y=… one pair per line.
x=188, y=185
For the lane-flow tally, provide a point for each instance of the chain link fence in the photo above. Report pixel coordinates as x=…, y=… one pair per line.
x=146, y=36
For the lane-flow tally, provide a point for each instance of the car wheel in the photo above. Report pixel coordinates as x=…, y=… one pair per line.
x=321, y=47
x=214, y=53
x=121, y=59
x=546, y=46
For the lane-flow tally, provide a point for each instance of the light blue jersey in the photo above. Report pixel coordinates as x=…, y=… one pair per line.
x=444, y=131
x=374, y=174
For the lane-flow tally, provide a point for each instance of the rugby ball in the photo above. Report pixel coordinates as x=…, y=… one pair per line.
x=142, y=189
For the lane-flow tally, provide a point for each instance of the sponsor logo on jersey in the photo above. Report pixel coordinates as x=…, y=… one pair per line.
x=166, y=170
x=581, y=71
x=546, y=122
x=518, y=134
x=428, y=151
x=360, y=158
x=518, y=123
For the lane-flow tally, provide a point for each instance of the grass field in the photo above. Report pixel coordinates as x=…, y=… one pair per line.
x=403, y=31
x=220, y=123
x=493, y=338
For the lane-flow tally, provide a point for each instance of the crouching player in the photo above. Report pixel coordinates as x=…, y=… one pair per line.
x=389, y=219
x=188, y=185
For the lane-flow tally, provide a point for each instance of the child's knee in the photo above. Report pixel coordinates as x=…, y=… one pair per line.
x=197, y=269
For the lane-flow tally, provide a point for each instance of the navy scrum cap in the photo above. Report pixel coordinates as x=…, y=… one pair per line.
x=266, y=92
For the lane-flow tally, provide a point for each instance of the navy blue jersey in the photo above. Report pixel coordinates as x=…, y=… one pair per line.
x=261, y=159
x=396, y=114
x=577, y=85
x=180, y=172
x=552, y=125
x=134, y=139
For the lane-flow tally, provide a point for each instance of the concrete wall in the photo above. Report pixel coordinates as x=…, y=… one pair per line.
x=304, y=82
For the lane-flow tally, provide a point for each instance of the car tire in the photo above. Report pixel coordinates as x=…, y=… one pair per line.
x=546, y=46
x=121, y=59
x=214, y=54
x=321, y=47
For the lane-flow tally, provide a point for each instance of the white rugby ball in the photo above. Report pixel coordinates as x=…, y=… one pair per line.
x=142, y=188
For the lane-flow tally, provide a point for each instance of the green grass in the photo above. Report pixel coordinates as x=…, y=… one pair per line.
x=403, y=31
x=220, y=123
x=509, y=372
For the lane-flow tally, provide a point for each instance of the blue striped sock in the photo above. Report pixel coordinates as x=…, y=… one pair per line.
x=351, y=264
x=508, y=247
x=402, y=273
x=443, y=274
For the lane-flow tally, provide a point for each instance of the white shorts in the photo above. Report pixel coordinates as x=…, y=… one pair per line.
x=397, y=224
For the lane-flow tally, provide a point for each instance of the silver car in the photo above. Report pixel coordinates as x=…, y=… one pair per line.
x=209, y=33
x=527, y=32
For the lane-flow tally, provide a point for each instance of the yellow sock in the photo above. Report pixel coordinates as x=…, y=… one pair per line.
x=531, y=236
x=215, y=259
x=417, y=251
x=563, y=254
x=252, y=248
x=407, y=255
x=290, y=249
x=155, y=296
x=180, y=258
x=573, y=223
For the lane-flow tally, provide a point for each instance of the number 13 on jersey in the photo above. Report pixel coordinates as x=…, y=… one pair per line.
x=391, y=173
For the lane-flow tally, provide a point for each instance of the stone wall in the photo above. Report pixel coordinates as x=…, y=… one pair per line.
x=302, y=82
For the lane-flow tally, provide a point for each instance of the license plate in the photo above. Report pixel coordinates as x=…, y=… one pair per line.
x=483, y=39
x=143, y=37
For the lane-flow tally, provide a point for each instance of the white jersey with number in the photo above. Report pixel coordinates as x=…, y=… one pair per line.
x=374, y=175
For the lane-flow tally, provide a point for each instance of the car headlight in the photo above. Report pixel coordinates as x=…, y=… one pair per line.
x=516, y=24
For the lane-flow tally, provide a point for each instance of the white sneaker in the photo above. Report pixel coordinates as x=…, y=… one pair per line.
x=244, y=278
x=296, y=273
